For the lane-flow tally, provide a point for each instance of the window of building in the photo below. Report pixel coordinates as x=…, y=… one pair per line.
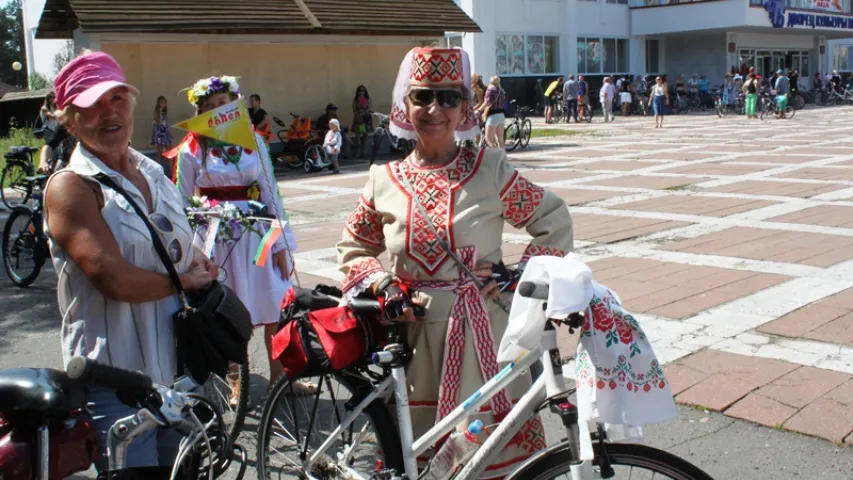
x=518, y=54
x=602, y=55
x=621, y=2
x=652, y=55
x=841, y=58
x=454, y=41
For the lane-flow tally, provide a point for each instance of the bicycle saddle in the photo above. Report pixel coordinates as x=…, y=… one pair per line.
x=20, y=152
x=41, y=390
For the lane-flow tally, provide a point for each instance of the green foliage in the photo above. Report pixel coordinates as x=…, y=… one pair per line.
x=39, y=81
x=64, y=56
x=12, y=42
x=16, y=137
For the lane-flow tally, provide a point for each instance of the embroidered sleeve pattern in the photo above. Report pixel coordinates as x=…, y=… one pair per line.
x=365, y=224
x=520, y=198
x=359, y=270
x=533, y=250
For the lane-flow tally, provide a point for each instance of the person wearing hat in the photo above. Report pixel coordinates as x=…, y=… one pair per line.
x=728, y=90
x=115, y=300
x=782, y=88
x=236, y=175
x=322, y=125
x=333, y=142
x=468, y=194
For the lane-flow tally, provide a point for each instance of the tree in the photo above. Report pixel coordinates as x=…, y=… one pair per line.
x=64, y=56
x=39, y=81
x=12, y=42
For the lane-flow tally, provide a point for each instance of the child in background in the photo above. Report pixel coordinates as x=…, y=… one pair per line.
x=333, y=143
x=161, y=136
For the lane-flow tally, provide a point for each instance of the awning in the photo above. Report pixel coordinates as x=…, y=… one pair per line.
x=255, y=17
x=25, y=95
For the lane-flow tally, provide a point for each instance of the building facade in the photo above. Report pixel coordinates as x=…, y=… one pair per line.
x=527, y=40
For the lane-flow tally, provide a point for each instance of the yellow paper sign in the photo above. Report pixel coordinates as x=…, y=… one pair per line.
x=229, y=123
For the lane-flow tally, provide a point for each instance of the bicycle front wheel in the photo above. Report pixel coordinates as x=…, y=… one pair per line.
x=231, y=395
x=627, y=460
x=294, y=426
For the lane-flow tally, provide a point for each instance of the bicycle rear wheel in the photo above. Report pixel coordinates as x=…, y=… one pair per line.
x=628, y=461
x=22, y=255
x=13, y=179
x=526, y=131
x=512, y=136
x=293, y=427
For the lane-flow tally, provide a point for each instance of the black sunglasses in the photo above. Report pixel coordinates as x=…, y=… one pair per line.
x=446, y=98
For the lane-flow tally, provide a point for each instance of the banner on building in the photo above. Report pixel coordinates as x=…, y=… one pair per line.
x=834, y=6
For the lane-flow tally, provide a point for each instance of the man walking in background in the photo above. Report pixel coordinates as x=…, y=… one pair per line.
x=570, y=96
x=606, y=95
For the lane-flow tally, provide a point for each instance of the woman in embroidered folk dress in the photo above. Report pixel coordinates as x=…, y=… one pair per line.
x=469, y=195
x=228, y=173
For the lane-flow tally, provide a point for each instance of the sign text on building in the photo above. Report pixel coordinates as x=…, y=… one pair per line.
x=799, y=19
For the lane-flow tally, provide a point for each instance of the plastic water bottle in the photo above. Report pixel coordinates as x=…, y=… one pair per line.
x=458, y=449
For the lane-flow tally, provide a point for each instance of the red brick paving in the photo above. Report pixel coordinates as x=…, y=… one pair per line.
x=770, y=392
x=767, y=244
x=674, y=290
x=785, y=189
x=657, y=183
x=606, y=229
x=685, y=204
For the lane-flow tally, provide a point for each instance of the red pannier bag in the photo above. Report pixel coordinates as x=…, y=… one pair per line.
x=316, y=337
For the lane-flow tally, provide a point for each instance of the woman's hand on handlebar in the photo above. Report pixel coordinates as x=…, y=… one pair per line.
x=199, y=258
x=484, y=272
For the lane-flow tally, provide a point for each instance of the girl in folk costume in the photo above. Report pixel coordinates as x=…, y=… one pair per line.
x=467, y=195
x=228, y=173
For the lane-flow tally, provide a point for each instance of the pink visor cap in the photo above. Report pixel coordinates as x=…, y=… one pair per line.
x=88, y=77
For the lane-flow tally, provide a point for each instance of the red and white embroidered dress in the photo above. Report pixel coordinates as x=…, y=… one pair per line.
x=470, y=201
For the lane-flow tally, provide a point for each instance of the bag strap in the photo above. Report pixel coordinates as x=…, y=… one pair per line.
x=462, y=267
x=105, y=180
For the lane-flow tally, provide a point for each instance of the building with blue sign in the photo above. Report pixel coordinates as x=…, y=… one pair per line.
x=527, y=40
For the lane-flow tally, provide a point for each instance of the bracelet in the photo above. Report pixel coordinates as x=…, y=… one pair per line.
x=383, y=284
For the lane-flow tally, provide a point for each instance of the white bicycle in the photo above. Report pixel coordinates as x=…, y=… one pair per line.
x=345, y=430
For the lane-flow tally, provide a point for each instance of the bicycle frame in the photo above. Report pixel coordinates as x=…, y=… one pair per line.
x=550, y=383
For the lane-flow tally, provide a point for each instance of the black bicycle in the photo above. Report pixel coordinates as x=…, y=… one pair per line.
x=770, y=106
x=14, y=189
x=25, y=248
x=518, y=132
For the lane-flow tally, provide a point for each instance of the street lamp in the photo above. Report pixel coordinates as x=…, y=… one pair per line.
x=17, y=67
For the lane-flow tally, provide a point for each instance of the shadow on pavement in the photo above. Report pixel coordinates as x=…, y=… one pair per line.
x=28, y=310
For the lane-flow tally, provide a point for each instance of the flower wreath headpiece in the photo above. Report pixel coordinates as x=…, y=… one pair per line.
x=209, y=86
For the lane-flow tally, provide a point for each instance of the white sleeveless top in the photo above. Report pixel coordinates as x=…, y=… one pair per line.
x=137, y=336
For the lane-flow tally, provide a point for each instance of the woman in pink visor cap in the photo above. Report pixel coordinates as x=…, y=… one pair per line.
x=115, y=300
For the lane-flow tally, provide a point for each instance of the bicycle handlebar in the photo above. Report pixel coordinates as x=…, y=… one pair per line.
x=535, y=290
x=97, y=374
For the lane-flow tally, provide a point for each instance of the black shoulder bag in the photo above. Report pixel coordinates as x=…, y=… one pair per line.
x=213, y=327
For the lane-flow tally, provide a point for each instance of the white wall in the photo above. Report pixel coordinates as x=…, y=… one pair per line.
x=603, y=19
x=40, y=52
x=690, y=17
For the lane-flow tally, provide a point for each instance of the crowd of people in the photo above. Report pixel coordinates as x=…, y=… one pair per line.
x=656, y=94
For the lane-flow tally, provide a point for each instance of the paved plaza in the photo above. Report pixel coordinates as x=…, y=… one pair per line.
x=731, y=240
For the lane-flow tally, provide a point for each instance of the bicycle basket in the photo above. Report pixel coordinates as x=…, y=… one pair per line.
x=317, y=337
